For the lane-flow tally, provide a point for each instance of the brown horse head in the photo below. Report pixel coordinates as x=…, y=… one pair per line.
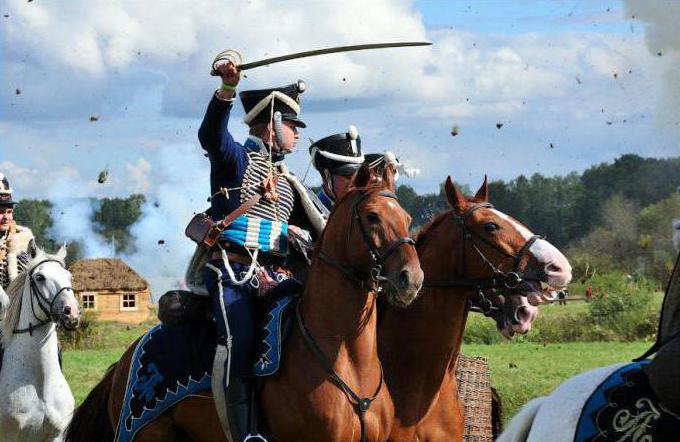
x=509, y=269
x=368, y=230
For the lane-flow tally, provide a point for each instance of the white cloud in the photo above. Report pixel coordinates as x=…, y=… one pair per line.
x=100, y=50
x=144, y=72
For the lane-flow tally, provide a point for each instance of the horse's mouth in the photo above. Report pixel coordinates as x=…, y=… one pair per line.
x=520, y=308
x=69, y=324
x=398, y=299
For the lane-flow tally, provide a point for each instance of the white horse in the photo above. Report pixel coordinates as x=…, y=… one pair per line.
x=36, y=403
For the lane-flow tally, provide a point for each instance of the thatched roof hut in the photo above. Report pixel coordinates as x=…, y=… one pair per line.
x=112, y=290
x=111, y=274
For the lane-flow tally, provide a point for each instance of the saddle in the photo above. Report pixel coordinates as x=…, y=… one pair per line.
x=174, y=359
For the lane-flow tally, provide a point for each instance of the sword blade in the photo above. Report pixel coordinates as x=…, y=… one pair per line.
x=335, y=50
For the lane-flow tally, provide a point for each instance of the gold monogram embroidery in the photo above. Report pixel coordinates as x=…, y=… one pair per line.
x=634, y=424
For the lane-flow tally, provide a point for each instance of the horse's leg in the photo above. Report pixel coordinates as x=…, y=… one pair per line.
x=444, y=420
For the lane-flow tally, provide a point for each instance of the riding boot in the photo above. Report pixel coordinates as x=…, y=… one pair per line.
x=239, y=411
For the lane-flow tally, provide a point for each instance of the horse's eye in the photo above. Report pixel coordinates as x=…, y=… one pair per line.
x=373, y=217
x=39, y=277
x=491, y=227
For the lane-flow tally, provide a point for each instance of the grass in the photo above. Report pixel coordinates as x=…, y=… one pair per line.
x=520, y=371
x=523, y=371
x=85, y=368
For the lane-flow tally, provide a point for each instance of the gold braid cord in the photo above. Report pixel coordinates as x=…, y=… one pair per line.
x=4, y=248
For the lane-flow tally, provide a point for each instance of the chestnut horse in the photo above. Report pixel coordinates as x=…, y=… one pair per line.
x=471, y=255
x=329, y=384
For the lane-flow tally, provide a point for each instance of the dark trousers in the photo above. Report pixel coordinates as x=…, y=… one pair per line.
x=235, y=323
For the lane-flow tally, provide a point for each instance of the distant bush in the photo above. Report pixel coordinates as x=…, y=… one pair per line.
x=83, y=337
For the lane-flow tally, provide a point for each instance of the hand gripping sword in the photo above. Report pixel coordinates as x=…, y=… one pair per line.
x=235, y=57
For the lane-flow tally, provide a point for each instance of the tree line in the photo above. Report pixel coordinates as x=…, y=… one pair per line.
x=613, y=215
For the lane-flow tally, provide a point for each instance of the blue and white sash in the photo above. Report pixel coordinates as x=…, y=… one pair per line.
x=258, y=234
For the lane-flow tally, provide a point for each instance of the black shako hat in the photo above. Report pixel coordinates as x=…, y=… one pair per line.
x=339, y=154
x=258, y=104
x=5, y=192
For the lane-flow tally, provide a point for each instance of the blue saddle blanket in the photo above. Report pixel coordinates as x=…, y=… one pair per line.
x=625, y=408
x=171, y=363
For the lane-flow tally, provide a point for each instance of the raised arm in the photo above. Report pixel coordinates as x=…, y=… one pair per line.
x=214, y=134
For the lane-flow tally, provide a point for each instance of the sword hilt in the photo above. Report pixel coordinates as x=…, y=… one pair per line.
x=227, y=55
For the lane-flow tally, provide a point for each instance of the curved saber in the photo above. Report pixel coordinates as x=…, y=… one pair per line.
x=314, y=53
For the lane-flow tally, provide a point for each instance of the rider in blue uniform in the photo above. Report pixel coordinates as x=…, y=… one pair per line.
x=252, y=250
x=338, y=158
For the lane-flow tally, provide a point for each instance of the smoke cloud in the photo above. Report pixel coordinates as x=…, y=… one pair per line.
x=72, y=216
x=162, y=252
x=663, y=41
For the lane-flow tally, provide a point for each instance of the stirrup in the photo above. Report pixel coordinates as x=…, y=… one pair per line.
x=255, y=437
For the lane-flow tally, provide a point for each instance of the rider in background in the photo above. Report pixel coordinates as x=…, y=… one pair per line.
x=17, y=243
x=252, y=249
x=338, y=158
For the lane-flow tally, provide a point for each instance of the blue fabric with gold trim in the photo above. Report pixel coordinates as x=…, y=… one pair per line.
x=169, y=364
x=625, y=408
x=272, y=336
x=172, y=362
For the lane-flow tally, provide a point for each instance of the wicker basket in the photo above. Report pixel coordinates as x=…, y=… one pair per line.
x=475, y=394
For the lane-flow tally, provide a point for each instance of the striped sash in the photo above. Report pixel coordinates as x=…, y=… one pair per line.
x=258, y=234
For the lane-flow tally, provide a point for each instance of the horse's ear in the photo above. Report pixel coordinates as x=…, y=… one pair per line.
x=456, y=199
x=61, y=253
x=388, y=178
x=363, y=177
x=483, y=192
x=33, y=250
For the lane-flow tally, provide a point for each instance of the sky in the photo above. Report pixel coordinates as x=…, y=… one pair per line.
x=570, y=83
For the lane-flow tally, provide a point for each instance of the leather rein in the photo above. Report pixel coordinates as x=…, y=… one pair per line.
x=499, y=280
x=372, y=282
x=37, y=298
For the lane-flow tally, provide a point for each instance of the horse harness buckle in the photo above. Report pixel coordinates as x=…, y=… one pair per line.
x=364, y=404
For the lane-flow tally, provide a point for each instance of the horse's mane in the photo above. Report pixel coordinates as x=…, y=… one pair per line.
x=426, y=230
x=15, y=293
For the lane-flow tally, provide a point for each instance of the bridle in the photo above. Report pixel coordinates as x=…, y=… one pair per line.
x=375, y=278
x=46, y=307
x=373, y=281
x=499, y=281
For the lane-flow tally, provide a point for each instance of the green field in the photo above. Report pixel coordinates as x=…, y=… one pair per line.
x=522, y=371
x=519, y=370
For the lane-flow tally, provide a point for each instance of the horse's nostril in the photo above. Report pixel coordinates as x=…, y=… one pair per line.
x=403, y=278
x=67, y=310
x=552, y=268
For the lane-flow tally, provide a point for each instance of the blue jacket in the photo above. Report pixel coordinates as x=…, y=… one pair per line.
x=228, y=159
x=229, y=162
